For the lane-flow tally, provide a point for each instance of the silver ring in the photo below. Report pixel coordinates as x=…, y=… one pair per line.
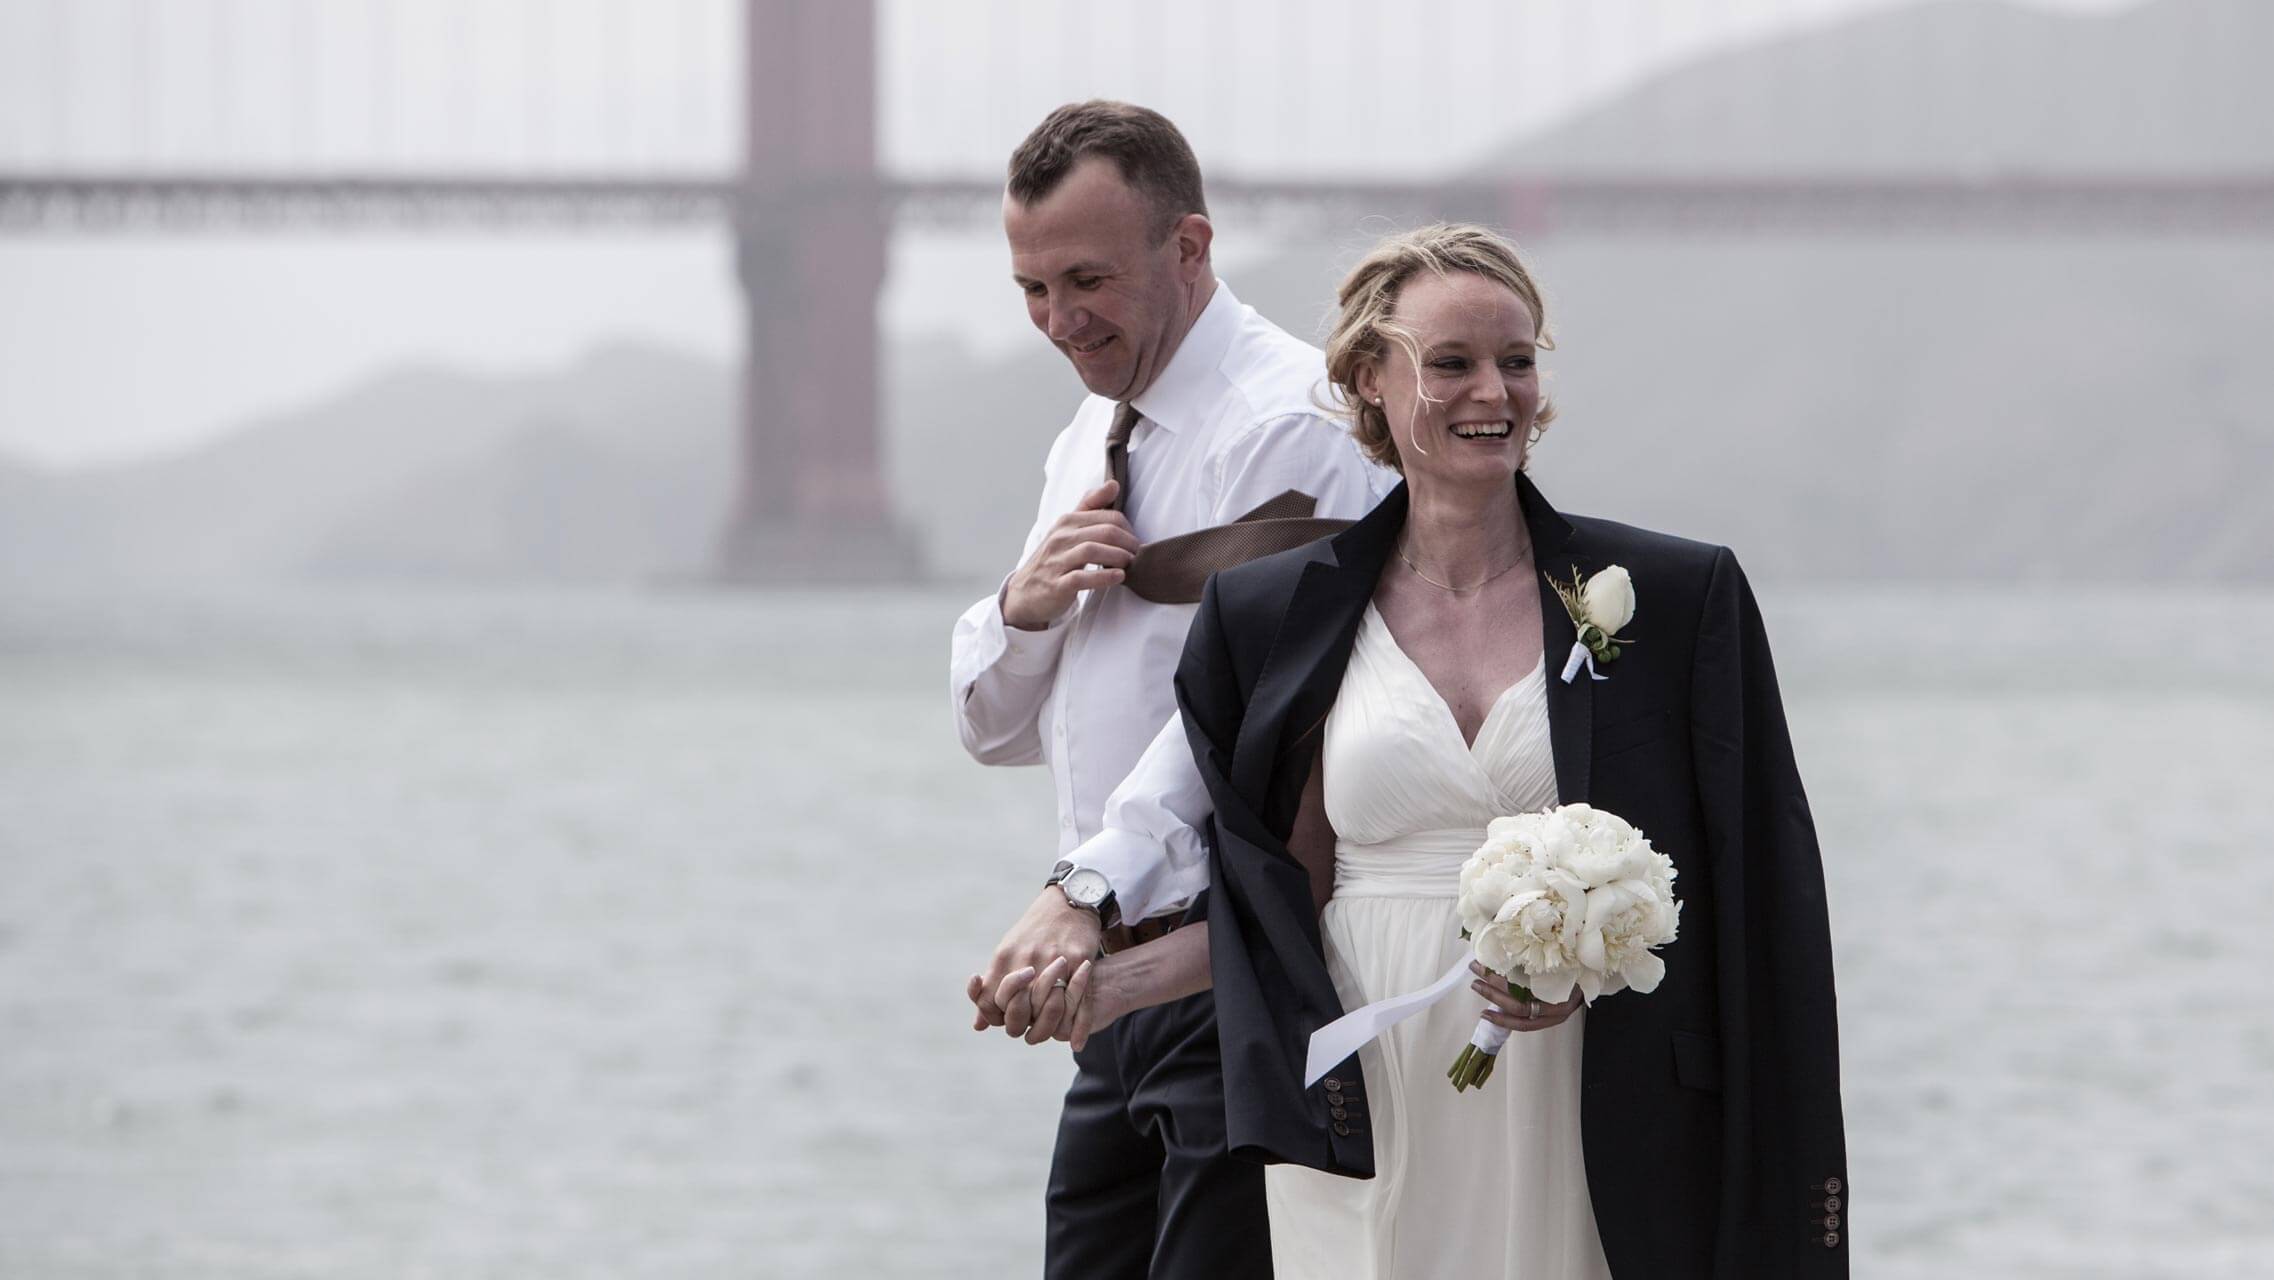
x=1535, y=1008
x=1059, y=985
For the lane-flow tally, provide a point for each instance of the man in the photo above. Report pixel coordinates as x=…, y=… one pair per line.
x=1207, y=411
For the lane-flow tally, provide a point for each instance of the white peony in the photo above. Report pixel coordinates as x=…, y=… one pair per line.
x=1624, y=920
x=1608, y=849
x=1571, y=897
x=1608, y=599
x=1484, y=886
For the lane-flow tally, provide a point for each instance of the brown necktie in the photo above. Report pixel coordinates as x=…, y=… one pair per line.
x=1173, y=570
x=1117, y=451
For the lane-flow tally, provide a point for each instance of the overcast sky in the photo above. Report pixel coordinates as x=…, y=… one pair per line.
x=120, y=347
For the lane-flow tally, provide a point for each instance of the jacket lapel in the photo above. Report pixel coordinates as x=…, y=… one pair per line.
x=1559, y=550
x=1302, y=673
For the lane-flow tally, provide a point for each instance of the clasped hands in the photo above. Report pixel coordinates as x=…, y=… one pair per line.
x=1045, y=982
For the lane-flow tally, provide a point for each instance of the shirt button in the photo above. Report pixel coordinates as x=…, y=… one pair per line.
x=1067, y=823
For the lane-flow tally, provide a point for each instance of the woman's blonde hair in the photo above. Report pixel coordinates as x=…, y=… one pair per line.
x=1368, y=322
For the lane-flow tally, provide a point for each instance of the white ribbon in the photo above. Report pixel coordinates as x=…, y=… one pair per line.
x=1580, y=657
x=1340, y=1038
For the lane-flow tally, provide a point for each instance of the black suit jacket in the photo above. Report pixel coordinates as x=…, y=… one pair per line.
x=1710, y=1108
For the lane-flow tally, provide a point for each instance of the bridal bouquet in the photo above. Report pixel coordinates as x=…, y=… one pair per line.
x=1574, y=896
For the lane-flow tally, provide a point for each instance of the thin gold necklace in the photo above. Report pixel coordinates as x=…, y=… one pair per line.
x=1461, y=591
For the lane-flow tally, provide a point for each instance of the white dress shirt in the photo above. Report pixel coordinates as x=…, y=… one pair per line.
x=1232, y=421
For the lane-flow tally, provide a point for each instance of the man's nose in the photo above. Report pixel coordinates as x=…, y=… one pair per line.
x=1066, y=320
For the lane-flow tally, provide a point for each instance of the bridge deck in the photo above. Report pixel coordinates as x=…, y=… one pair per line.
x=32, y=203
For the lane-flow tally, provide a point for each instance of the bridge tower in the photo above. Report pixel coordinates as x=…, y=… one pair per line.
x=811, y=229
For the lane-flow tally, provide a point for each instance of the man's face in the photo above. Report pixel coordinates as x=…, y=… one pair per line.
x=1097, y=284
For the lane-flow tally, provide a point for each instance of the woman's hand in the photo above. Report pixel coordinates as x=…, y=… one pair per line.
x=1043, y=1012
x=1503, y=1008
x=1082, y=1007
x=1097, y=998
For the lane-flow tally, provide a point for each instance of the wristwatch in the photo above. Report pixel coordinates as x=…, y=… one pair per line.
x=1087, y=888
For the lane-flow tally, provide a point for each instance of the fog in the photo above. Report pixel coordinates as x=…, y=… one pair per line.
x=415, y=858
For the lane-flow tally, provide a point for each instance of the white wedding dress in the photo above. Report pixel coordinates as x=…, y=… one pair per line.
x=1487, y=1182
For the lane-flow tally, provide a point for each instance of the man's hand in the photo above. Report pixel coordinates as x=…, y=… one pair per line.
x=1051, y=930
x=1088, y=1003
x=1089, y=547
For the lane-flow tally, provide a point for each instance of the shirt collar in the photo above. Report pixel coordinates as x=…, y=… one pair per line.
x=1181, y=395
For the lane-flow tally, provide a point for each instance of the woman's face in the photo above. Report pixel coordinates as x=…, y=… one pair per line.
x=1464, y=415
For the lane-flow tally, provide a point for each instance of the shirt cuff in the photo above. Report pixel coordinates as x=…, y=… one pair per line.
x=1022, y=652
x=1135, y=867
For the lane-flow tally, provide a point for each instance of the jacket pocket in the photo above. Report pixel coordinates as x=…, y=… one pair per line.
x=1697, y=1061
x=1635, y=731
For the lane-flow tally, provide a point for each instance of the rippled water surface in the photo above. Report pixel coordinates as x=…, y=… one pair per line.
x=378, y=934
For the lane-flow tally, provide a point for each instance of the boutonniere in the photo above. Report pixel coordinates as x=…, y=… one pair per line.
x=1598, y=606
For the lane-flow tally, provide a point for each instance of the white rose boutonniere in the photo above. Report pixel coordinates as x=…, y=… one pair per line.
x=1598, y=606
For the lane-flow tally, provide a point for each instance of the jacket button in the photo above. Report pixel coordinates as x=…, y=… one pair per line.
x=1829, y=1186
x=1831, y=1204
x=1335, y=1086
x=1831, y=1239
x=1341, y=1130
x=1830, y=1222
x=1338, y=1113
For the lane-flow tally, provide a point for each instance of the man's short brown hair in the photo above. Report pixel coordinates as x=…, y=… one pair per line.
x=1151, y=154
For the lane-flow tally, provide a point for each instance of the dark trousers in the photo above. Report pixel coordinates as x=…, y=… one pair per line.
x=1140, y=1185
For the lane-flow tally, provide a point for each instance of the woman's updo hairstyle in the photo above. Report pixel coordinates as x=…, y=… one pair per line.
x=1368, y=322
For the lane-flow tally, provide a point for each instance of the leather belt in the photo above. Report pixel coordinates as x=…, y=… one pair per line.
x=1121, y=937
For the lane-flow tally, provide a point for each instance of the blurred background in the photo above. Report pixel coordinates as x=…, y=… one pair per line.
x=484, y=489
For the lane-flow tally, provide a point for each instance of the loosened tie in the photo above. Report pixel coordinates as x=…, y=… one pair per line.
x=1173, y=570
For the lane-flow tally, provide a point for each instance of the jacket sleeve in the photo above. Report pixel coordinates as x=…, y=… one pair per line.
x=1271, y=991
x=1786, y=1148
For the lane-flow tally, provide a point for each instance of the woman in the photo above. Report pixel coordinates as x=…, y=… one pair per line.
x=1361, y=708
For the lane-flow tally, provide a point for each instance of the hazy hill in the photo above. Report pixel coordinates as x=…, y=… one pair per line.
x=613, y=467
x=1954, y=87
x=2087, y=407
x=2049, y=407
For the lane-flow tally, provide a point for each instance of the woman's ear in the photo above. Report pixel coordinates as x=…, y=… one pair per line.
x=1369, y=380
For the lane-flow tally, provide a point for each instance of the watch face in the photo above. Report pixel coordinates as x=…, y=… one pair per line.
x=1085, y=887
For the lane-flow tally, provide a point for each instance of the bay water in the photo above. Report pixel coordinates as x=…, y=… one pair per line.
x=393, y=932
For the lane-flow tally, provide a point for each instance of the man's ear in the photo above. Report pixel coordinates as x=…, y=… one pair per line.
x=1194, y=234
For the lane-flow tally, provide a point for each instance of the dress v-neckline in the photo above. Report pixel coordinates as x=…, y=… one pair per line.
x=1452, y=721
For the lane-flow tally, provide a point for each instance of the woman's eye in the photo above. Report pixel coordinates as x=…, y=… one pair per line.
x=1519, y=364
x=1449, y=365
